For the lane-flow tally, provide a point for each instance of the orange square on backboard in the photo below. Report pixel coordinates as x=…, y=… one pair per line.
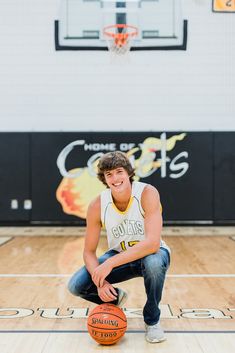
x=224, y=5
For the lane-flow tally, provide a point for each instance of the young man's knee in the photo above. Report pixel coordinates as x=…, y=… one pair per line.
x=74, y=287
x=71, y=287
x=155, y=264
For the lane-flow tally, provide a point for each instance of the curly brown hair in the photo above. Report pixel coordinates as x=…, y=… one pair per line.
x=113, y=160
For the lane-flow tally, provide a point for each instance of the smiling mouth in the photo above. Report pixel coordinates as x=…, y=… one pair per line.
x=117, y=184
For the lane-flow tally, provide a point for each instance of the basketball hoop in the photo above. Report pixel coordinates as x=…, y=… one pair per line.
x=119, y=37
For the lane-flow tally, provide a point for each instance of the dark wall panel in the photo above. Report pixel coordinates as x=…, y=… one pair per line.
x=224, y=177
x=14, y=177
x=194, y=173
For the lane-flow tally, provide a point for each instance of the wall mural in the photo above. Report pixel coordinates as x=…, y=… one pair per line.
x=80, y=185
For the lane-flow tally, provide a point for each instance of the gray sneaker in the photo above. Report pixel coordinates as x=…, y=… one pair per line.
x=154, y=333
x=122, y=297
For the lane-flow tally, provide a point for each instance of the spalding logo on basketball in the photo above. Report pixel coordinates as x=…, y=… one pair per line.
x=106, y=324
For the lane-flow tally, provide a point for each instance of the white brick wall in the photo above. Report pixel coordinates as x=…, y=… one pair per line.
x=45, y=90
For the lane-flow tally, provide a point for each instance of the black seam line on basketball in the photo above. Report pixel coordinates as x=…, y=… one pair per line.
x=129, y=331
x=106, y=328
x=101, y=312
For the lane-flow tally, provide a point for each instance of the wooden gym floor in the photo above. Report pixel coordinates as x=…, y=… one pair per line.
x=39, y=315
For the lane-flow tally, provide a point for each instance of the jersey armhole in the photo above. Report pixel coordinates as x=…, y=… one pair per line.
x=102, y=210
x=142, y=207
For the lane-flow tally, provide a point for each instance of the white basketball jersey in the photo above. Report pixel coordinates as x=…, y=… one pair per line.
x=124, y=229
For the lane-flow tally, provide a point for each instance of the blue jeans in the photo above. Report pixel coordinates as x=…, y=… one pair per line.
x=151, y=267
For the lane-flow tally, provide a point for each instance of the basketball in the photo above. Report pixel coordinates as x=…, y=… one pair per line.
x=106, y=324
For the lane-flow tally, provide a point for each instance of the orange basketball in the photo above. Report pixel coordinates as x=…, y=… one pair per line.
x=106, y=324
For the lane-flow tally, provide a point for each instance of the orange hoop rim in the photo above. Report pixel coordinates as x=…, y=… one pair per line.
x=117, y=35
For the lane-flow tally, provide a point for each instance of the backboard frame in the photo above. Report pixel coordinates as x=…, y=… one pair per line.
x=59, y=46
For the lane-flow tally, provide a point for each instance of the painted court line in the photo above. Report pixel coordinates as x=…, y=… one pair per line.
x=4, y=240
x=50, y=275
x=128, y=331
x=202, y=275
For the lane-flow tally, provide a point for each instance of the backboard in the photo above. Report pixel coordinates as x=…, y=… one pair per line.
x=81, y=23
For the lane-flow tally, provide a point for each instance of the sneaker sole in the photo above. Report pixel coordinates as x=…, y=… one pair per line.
x=156, y=340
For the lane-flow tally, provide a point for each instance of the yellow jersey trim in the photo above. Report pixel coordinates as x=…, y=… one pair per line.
x=128, y=206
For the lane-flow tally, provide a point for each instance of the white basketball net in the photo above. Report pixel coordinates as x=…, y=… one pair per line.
x=119, y=38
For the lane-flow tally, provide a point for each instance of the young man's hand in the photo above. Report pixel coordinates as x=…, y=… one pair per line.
x=100, y=273
x=107, y=293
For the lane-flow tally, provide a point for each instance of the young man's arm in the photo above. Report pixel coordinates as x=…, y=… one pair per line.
x=106, y=291
x=92, y=235
x=153, y=225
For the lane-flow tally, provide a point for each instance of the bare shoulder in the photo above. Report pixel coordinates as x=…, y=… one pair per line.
x=150, y=197
x=94, y=208
x=150, y=191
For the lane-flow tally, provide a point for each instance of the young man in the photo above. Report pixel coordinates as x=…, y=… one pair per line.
x=131, y=213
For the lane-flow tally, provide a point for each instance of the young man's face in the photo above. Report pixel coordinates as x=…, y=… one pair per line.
x=117, y=179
